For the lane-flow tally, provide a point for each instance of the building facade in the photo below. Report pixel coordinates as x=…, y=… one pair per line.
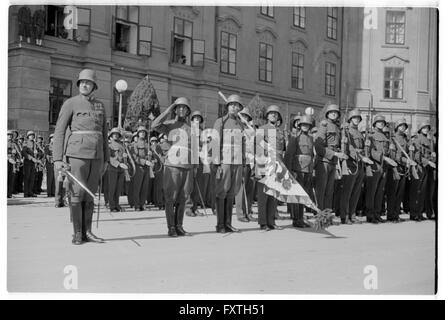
x=292, y=57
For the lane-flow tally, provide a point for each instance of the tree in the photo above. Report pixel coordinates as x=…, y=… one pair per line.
x=257, y=108
x=143, y=106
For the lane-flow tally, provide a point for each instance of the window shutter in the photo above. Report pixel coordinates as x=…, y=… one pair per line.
x=198, y=53
x=83, y=25
x=113, y=32
x=144, y=41
x=172, y=52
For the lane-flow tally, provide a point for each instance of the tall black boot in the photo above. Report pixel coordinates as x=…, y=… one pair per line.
x=76, y=214
x=220, y=215
x=88, y=212
x=179, y=220
x=170, y=216
x=228, y=215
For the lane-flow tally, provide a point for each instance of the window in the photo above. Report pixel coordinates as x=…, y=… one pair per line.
x=228, y=53
x=330, y=81
x=300, y=17
x=55, y=16
x=297, y=70
x=267, y=11
x=128, y=35
x=332, y=23
x=265, y=62
x=125, y=99
x=393, y=83
x=395, y=27
x=60, y=90
x=185, y=49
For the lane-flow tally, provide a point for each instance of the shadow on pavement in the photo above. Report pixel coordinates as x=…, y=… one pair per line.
x=129, y=219
x=312, y=230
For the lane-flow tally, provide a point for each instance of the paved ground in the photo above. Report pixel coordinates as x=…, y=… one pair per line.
x=139, y=257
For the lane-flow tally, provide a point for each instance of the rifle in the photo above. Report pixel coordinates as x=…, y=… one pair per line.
x=367, y=138
x=344, y=141
x=410, y=160
x=392, y=150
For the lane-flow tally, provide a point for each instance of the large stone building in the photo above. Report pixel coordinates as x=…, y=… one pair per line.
x=292, y=57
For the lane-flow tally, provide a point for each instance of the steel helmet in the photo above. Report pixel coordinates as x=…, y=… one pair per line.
x=183, y=101
x=274, y=108
x=246, y=112
x=115, y=130
x=332, y=107
x=88, y=74
x=153, y=139
x=423, y=125
x=234, y=98
x=378, y=118
x=296, y=118
x=9, y=132
x=306, y=119
x=197, y=113
x=141, y=128
x=30, y=133
x=400, y=122
x=354, y=113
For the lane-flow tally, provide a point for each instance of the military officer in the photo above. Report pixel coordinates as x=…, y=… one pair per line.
x=82, y=123
x=299, y=159
x=50, y=181
x=115, y=169
x=142, y=158
x=28, y=153
x=228, y=165
x=267, y=205
x=178, y=167
x=328, y=154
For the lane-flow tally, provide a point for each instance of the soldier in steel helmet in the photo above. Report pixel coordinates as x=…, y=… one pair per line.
x=178, y=166
x=228, y=165
x=267, y=205
x=375, y=185
x=116, y=169
x=328, y=154
x=299, y=159
x=28, y=153
x=80, y=139
x=142, y=158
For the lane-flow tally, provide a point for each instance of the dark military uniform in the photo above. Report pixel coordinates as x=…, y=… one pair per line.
x=11, y=167
x=130, y=184
x=352, y=183
x=375, y=188
x=327, y=142
x=421, y=189
x=40, y=166
x=80, y=138
x=178, y=171
x=228, y=173
x=395, y=186
x=25, y=21
x=141, y=157
x=115, y=174
x=50, y=181
x=267, y=205
x=39, y=24
x=29, y=168
x=299, y=159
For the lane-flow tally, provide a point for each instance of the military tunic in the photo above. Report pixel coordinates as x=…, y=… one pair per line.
x=376, y=184
x=28, y=168
x=178, y=173
x=299, y=159
x=352, y=183
x=327, y=142
x=115, y=174
x=267, y=205
x=142, y=158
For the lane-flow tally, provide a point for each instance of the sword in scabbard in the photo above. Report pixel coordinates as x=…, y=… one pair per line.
x=200, y=196
x=72, y=177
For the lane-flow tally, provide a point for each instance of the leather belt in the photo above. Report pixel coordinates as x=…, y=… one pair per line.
x=87, y=132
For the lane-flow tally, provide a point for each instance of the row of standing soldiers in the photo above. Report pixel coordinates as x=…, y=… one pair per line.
x=28, y=161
